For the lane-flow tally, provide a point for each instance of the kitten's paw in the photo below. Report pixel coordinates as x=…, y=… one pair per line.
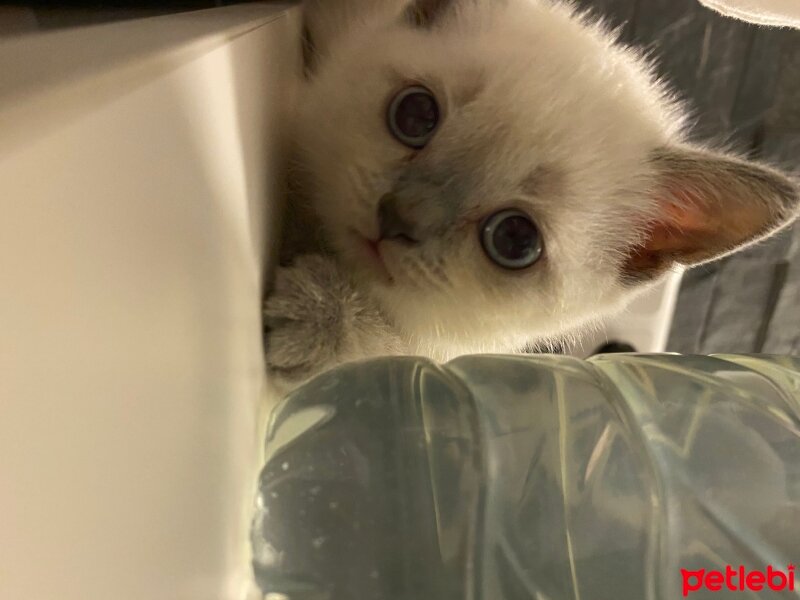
x=304, y=319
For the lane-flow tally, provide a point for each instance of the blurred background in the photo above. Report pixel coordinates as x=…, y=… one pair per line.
x=743, y=83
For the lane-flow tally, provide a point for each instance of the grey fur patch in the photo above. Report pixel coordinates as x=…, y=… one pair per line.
x=432, y=197
x=426, y=13
x=544, y=180
x=314, y=319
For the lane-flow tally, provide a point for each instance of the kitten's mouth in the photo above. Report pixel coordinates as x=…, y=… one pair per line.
x=371, y=252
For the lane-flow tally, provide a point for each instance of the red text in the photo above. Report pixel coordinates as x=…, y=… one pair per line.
x=738, y=579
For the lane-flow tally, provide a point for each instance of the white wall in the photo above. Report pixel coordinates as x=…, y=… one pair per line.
x=138, y=164
x=644, y=324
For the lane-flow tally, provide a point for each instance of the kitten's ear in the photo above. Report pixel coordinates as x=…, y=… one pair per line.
x=425, y=13
x=708, y=206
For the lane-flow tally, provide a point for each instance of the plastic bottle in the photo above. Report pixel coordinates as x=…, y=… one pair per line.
x=539, y=477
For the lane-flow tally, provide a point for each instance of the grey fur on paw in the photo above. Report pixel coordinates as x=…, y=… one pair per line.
x=304, y=318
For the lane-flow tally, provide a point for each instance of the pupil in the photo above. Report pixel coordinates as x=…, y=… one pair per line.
x=417, y=115
x=515, y=237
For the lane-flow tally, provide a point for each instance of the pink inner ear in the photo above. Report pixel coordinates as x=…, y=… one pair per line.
x=682, y=234
x=712, y=224
x=683, y=210
x=684, y=226
x=708, y=205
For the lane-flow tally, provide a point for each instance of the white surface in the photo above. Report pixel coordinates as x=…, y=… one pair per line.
x=135, y=163
x=781, y=13
x=644, y=324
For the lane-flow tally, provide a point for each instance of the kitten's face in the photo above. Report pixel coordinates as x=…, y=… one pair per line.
x=513, y=183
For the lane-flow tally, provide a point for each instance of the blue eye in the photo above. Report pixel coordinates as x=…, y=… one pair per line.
x=413, y=115
x=511, y=239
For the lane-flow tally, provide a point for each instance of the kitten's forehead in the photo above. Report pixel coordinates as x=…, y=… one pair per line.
x=532, y=104
x=489, y=146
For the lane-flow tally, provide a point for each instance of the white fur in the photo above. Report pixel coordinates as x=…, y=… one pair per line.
x=523, y=85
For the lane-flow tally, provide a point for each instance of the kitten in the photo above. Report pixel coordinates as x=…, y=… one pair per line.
x=477, y=175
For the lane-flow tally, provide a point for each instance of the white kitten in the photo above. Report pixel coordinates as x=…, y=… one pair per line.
x=475, y=175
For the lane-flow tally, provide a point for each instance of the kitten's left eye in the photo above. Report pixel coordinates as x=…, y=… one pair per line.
x=413, y=115
x=511, y=239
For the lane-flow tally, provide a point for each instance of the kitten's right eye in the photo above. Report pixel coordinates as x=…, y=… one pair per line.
x=511, y=239
x=413, y=115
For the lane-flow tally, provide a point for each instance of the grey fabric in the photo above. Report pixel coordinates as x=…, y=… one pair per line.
x=746, y=303
x=743, y=294
x=692, y=308
x=783, y=333
x=743, y=84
